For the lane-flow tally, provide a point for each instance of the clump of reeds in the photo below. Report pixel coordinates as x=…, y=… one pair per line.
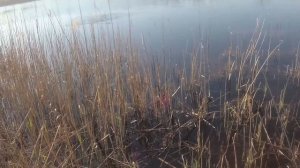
x=69, y=103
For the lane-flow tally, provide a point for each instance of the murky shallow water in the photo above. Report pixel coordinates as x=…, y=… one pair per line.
x=175, y=25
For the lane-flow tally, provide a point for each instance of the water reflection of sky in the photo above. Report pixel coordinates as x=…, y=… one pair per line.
x=173, y=24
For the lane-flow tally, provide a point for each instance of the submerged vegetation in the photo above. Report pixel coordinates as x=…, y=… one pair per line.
x=66, y=103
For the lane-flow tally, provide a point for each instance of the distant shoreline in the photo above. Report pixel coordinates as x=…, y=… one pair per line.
x=12, y=2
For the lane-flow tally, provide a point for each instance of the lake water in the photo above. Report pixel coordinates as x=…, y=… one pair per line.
x=170, y=25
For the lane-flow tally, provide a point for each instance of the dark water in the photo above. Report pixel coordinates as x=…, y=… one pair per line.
x=175, y=26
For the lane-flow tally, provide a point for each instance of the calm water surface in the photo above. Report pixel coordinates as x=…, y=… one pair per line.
x=173, y=25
